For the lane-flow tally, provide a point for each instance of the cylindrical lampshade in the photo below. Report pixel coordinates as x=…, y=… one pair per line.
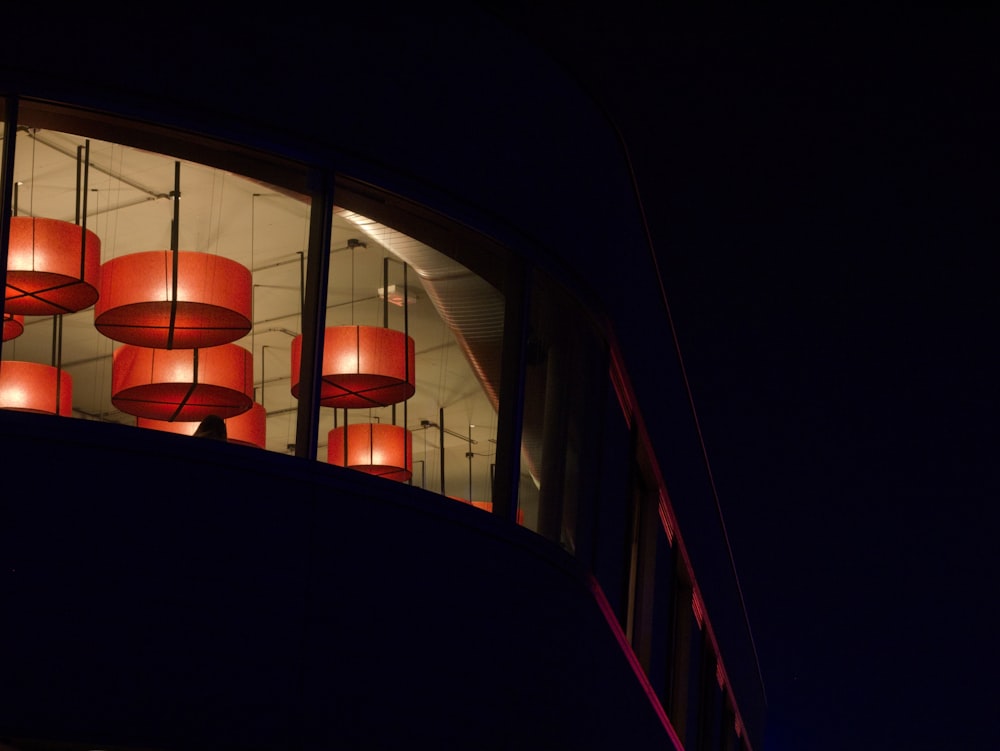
x=381, y=450
x=13, y=326
x=53, y=267
x=248, y=428
x=182, y=384
x=138, y=305
x=34, y=387
x=363, y=366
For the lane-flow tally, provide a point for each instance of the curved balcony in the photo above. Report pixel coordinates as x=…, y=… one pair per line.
x=193, y=593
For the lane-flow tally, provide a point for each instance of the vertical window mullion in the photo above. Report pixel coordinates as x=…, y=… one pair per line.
x=511, y=408
x=314, y=317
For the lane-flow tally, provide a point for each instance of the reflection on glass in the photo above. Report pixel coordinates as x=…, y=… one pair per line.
x=563, y=397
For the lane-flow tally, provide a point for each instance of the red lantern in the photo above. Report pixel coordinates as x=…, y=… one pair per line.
x=182, y=384
x=377, y=449
x=34, y=387
x=53, y=267
x=138, y=304
x=363, y=366
x=13, y=326
x=247, y=429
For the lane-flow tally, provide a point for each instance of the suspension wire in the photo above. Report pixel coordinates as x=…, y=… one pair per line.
x=687, y=388
x=651, y=246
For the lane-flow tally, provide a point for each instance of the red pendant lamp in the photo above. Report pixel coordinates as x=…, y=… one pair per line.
x=182, y=384
x=363, y=366
x=53, y=267
x=174, y=300
x=247, y=429
x=34, y=387
x=377, y=449
x=13, y=326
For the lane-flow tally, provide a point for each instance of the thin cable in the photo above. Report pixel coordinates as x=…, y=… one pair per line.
x=673, y=332
x=353, y=254
x=687, y=387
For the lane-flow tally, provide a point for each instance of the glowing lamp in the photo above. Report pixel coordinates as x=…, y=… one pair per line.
x=363, y=366
x=13, y=326
x=182, y=384
x=53, y=267
x=139, y=305
x=247, y=429
x=34, y=387
x=377, y=449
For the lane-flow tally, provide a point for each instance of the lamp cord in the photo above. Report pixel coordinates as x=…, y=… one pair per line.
x=687, y=387
x=651, y=246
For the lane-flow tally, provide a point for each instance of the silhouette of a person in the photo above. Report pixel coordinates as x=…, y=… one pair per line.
x=213, y=427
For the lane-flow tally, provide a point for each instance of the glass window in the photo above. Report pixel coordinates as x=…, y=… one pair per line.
x=203, y=254
x=565, y=384
x=190, y=235
x=200, y=272
x=662, y=615
x=412, y=355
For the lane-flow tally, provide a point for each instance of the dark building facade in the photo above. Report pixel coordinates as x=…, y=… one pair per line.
x=461, y=503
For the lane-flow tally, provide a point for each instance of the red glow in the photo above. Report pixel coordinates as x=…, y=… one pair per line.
x=33, y=387
x=248, y=429
x=52, y=267
x=363, y=366
x=381, y=450
x=182, y=384
x=640, y=672
x=13, y=326
x=488, y=507
x=699, y=610
x=137, y=303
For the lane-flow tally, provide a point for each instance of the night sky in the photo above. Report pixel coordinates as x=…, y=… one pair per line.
x=822, y=188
